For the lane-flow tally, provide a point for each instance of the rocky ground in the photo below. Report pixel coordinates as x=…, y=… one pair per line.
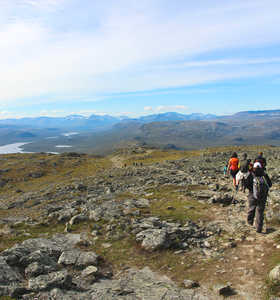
x=139, y=224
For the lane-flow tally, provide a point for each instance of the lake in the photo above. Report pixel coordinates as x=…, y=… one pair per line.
x=12, y=148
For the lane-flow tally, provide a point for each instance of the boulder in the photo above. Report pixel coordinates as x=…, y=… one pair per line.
x=78, y=258
x=153, y=239
x=274, y=274
x=59, y=279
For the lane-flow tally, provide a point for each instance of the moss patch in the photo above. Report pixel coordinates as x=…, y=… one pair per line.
x=23, y=232
x=169, y=202
x=54, y=168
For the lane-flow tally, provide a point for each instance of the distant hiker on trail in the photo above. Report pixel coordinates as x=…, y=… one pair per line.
x=245, y=166
x=261, y=160
x=233, y=168
x=258, y=183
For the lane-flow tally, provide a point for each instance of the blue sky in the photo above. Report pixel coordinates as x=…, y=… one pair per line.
x=128, y=57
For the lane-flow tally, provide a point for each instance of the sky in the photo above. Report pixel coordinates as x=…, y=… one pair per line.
x=131, y=57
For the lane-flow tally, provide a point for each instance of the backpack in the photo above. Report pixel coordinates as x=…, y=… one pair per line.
x=244, y=165
x=260, y=187
x=242, y=180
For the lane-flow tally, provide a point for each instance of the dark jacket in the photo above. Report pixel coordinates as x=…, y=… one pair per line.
x=261, y=159
x=257, y=173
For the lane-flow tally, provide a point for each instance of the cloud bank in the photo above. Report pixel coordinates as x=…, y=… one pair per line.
x=56, y=49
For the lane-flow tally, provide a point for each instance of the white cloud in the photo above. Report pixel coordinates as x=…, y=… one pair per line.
x=85, y=50
x=166, y=108
x=148, y=108
x=44, y=3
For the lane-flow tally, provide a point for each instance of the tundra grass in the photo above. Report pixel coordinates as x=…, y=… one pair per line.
x=55, y=169
x=126, y=253
x=23, y=232
x=170, y=203
x=155, y=156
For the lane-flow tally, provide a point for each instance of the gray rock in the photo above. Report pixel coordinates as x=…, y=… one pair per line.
x=59, y=279
x=153, y=239
x=11, y=281
x=8, y=275
x=274, y=274
x=89, y=271
x=142, y=284
x=163, y=235
x=36, y=174
x=36, y=269
x=51, y=247
x=78, y=258
x=190, y=284
x=7, y=229
x=39, y=256
x=78, y=219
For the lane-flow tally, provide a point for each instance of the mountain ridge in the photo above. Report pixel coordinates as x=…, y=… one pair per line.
x=103, y=134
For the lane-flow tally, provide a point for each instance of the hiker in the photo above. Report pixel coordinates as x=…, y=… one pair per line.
x=245, y=166
x=233, y=168
x=258, y=183
x=261, y=160
x=225, y=170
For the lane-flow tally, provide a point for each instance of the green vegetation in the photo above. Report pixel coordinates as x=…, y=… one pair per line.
x=21, y=232
x=153, y=156
x=169, y=202
x=32, y=172
x=272, y=289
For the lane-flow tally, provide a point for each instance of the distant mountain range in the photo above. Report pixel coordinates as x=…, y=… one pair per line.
x=12, y=130
x=97, y=122
x=258, y=114
x=71, y=122
x=167, y=130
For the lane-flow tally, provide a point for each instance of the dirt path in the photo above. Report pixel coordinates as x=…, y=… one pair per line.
x=246, y=262
x=118, y=160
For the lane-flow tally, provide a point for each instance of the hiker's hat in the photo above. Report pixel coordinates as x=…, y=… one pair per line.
x=257, y=165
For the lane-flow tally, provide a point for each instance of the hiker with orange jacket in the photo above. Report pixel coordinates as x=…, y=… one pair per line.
x=233, y=168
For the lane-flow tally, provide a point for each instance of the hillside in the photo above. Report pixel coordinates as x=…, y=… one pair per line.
x=137, y=224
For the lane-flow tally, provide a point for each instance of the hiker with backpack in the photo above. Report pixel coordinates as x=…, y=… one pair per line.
x=258, y=183
x=261, y=160
x=233, y=168
x=245, y=166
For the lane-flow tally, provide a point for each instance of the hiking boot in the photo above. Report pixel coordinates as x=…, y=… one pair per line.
x=236, y=188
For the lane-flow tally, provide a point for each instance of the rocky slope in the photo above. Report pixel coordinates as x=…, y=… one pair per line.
x=141, y=224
